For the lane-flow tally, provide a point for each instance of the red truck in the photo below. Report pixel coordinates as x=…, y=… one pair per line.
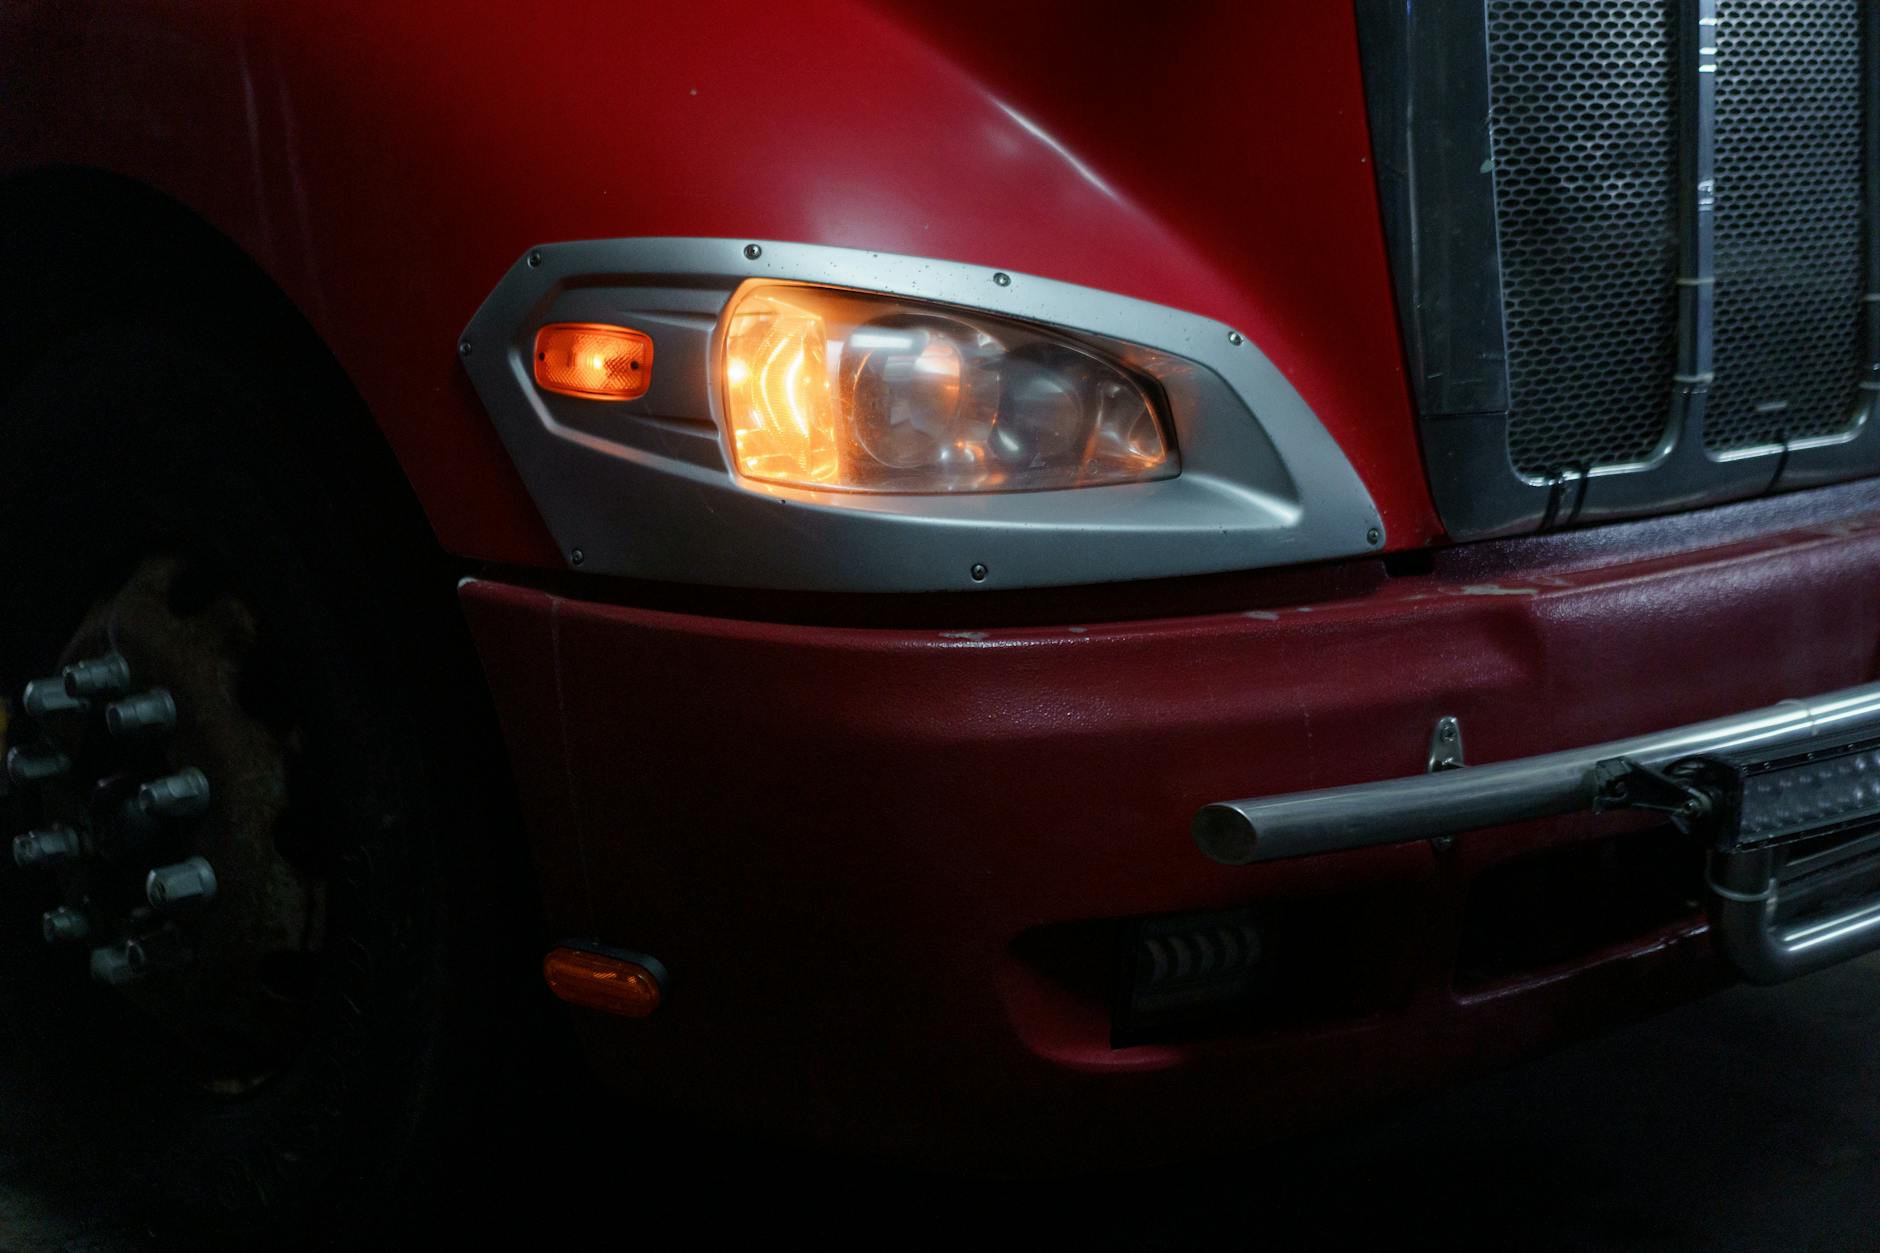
x=988, y=582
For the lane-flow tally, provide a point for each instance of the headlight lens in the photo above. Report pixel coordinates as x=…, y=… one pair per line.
x=844, y=391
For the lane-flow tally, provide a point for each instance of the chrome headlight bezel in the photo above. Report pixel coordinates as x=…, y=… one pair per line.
x=645, y=487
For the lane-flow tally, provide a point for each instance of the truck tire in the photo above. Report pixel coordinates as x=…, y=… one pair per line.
x=275, y=1059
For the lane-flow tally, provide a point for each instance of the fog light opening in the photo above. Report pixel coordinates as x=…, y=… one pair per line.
x=1186, y=970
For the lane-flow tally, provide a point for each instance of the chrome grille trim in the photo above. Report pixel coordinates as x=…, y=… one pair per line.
x=1697, y=215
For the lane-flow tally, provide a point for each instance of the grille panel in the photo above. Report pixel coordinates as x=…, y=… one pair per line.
x=1582, y=101
x=1610, y=256
x=1788, y=221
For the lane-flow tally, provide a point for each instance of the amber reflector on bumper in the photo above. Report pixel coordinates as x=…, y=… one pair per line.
x=594, y=361
x=613, y=985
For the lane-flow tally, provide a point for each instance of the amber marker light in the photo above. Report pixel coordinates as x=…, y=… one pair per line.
x=613, y=985
x=593, y=361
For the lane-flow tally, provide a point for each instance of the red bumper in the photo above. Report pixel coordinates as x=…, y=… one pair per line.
x=870, y=857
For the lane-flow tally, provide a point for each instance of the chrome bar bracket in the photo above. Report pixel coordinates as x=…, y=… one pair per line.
x=1446, y=745
x=1445, y=754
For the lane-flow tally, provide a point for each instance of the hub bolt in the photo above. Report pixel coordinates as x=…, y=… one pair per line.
x=65, y=925
x=49, y=847
x=186, y=883
x=48, y=696
x=118, y=964
x=36, y=765
x=181, y=795
x=109, y=675
x=152, y=713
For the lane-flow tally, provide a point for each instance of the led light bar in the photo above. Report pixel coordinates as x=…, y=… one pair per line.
x=1811, y=794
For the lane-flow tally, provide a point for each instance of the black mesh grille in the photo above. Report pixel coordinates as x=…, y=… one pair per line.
x=1788, y=220
x=1582, y=117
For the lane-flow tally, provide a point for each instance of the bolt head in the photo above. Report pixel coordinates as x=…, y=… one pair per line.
x=978, y=572
x=752, y=252
x=112, y=965
x=463, y=348
x=535, y=259
x=1449, y=731
x=1233, y=337
x=63, y=925
x=576, y=556
x=1372, y=537
x=1002, y=279
x=186, y=883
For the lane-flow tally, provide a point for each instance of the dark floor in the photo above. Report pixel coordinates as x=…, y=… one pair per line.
x=1748, y=1121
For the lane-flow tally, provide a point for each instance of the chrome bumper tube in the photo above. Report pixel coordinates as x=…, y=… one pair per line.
x=1775, y=911
x=1757, y=928
x=1421, y=807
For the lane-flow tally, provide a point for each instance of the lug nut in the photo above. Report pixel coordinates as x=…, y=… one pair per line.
x=36, y=765
x=49, y=847
x=181, y=795
x=48, y=696
x=109, y=675
x=186, y=883
x=152, y=713
x=64, y=925
x=117, y=964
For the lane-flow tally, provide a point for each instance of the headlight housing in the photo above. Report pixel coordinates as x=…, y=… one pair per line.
x=846, y=391
x=925, y=392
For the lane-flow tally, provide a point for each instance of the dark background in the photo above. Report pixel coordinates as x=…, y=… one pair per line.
x=1747, y=1121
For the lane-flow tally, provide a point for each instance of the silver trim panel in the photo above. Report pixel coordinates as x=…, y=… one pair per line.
x=1425, y=806
x=644, y=488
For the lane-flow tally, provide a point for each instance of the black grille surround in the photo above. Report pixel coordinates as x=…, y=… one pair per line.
x=1634, y=244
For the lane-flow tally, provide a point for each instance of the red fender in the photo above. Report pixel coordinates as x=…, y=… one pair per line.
x=385, y=163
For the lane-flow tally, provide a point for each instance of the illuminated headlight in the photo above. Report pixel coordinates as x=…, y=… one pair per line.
x=844, y=391
x=1816, y=795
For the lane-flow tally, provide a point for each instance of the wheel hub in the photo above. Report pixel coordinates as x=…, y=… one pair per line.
x=153, y=798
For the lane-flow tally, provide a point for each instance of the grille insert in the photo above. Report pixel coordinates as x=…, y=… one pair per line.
x=1635, y=246
x=1789, y=219
x=1582, y=101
